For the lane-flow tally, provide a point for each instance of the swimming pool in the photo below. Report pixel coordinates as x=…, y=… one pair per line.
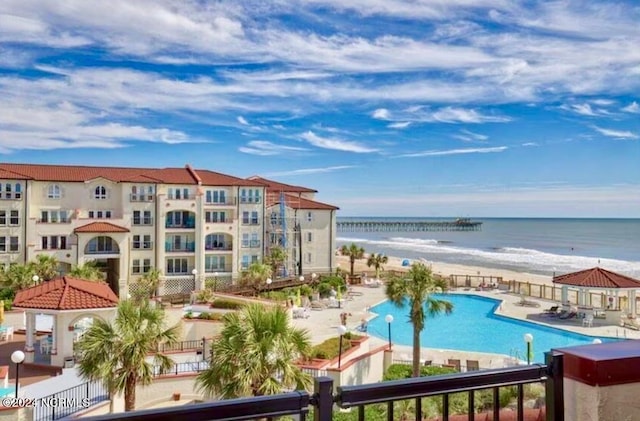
x=473, y=326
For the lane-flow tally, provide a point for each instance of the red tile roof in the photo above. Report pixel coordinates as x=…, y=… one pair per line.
x=597, y=278
x=66, y=293
x=79, y=173
x=296, y=202
x=99, y=227
x=281, y=187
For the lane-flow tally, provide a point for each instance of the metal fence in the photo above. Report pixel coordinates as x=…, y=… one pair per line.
x=323, y=402
x=182, y=368
x=194, y=345
x=69, y=401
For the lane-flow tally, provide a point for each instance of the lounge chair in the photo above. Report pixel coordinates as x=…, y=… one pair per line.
x=588, y=320
x=569, y=315
x=373, y=283
x=454, y=363
x=551, y=310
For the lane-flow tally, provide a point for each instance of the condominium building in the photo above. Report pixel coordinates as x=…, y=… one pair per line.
x=191, y=224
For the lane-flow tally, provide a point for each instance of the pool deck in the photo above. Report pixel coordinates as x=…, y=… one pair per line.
x=322, y=325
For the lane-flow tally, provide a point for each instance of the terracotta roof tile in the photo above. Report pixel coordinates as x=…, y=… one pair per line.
x=212, y=178
x=99, y=227
x=296, y=202
x=66, y=293
x=597, y=278
x=282, y=187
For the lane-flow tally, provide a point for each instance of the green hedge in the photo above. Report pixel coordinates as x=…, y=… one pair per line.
x=330, y=348
x=226, y=304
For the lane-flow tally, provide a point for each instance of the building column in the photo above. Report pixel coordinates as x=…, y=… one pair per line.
x=564, y=294
x=30, y=330
x=632, y=303
x=54, y=333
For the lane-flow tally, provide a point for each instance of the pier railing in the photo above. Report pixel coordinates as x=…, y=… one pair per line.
x=408, y=226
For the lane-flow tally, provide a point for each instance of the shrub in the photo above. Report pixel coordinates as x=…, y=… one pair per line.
x=329, y=349
x=403, y=371
x=204, y=296
x=226, y=304
x=188, y=315
x=305, y=290
x=211, y=316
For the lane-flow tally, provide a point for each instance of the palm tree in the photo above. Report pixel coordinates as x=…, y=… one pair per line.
x=147, y=286
x=255, y=355
x=88, y=271
x=256, y=275
x=18, y=277
x=46, y=267
x=354, y=252
x=276, y=258
x=377, y=260
x=417, y=290
x=116, y=353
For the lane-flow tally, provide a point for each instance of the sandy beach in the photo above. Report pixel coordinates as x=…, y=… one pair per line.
x=446, y=269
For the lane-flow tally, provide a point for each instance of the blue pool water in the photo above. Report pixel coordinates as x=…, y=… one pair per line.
x=473, y=326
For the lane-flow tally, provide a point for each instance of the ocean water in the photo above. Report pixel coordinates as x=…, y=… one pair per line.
x=534, y=245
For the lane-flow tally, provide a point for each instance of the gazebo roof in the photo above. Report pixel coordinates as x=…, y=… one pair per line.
x=66, y=293
x=100, y=227
x=597, y=278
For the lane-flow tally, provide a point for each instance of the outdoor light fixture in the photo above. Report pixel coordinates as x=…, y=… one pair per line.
x=35, y=279
x=528, y=338
x=341, y=331
x=389, y=319
x=269, y=281
x=301, y=278
x=17, y=357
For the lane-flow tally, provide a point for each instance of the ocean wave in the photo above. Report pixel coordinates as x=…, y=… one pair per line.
x=515, y=258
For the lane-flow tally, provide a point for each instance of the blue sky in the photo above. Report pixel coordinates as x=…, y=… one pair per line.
x=387, y=107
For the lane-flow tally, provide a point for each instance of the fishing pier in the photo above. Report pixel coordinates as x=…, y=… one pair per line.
x=461, y=224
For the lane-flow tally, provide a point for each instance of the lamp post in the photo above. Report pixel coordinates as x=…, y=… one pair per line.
x=341, y=331
x=389, y=319
x=528, y=338
x=35, y=279
x=17, y=357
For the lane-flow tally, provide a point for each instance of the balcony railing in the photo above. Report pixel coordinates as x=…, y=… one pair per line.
x=218, y=247
x=187, y=224
x=10, y=196
x=141, y=197
x=106, y=250
x=250, y=199
x=250, y=222
x=229, y=201
x=323, y=401
x=143, y=221
x=186, y=247
x=251, y=244
x=142, y=245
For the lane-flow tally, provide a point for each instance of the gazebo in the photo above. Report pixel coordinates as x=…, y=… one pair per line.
x=68, y=300
x=610, y=284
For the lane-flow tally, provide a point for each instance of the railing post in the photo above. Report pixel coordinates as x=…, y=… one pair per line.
x=554, y=387
x=322, y=399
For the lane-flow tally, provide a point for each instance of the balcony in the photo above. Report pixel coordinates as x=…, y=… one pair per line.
x=218, y=247
x=189, y=224
x=142, y=245
x=141, y=197
x=142, y=221
x=106, y=250
x=229, y=201
x=187, y=247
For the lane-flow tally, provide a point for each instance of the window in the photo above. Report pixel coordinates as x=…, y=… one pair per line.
x=13, y=244
x=141, y=193
x=3, y=244
x=215, y=216
x=136, y=243
x=216, y=196
x=255, y=258
x=53, y=192
x=142, y=218
x=7, y=191
x=214, y=263
x=307, y=257
x=254, y=218
x=45, y=243
x=135, y=266
x=249, y=196
x=177, y=266
x=3, y=217
x=214, y=242
x=100, y=193
x=100, y=214
x=54, y=242
x=245, y=217
x=309, y=216
x=309, y=237
x=245, y=262
x=245, y=240
x=18, y=194
x=102, y=245
x=254, y=240
x=53, y=216
x=15, y=218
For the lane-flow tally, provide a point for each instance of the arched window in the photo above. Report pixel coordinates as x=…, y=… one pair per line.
x=100, y=193
x=53, y=192
x=101, y=245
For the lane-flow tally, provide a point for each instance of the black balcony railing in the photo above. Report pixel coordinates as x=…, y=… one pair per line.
x=322, y=400
x=196, y=344
x=69, y=401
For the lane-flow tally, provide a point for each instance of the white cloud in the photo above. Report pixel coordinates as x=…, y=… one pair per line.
x=618, y=134
x=454, y=152
x=421, y=114
x=335, y=144
x=242, y=121
x=399, y=125
x=529, y=144
x=632, y=108
x=469, y=136
x=265, y=148
x=381, y=114
x=307, y=171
